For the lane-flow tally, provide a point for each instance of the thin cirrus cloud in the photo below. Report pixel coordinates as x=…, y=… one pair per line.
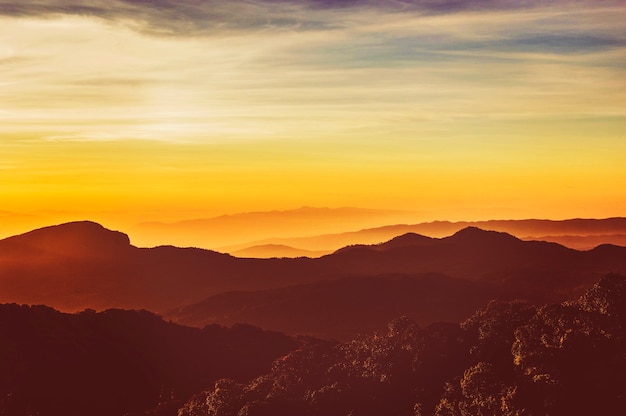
x=186, y=17
x=166, y=17
x=279, y=68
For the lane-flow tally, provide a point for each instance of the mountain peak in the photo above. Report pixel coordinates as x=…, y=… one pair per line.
x=407, y=239
x=475, y=234
x=78, y=237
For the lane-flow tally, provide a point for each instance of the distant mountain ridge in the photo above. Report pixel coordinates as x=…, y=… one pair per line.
x=276, y=250
x=83, y=265
x=470, y=253
x=580, y=234
x=582, y=242
x=237, y=228
x=74, y=238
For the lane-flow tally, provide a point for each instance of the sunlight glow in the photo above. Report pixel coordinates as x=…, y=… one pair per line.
x=457, y=115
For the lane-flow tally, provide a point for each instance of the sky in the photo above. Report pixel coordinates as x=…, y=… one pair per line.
x=126, y=111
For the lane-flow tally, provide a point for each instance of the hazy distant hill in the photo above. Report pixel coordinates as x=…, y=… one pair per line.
x=83, y=265
x=237, y=228
x=267, y=251
x=583, y=242
x=580, y=234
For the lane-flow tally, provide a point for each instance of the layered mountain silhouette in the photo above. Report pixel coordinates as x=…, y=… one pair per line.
x=580, y=234
x=241, y=227
x=276, y=251
x=83, y=265
x=509, y=358
x=324, y=230
x=484, y=265
x=583, y=242
x=74, y=239
x=343, y=308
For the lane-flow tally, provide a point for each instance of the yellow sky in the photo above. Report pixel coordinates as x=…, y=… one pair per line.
x=128, y=113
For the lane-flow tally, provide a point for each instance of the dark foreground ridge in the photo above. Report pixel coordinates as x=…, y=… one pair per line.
x=509, y=358
x=118, y=362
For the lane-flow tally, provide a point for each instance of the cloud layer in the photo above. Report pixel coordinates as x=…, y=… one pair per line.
x=278, y=68
x=193, y=17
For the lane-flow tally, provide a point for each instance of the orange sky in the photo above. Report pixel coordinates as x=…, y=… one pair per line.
x=128, y=113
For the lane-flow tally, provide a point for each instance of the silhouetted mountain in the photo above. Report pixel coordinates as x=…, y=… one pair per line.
x=81, y=238
x=97, y=268
x=275, y=251
x=342, y=308
x=470, y=253
x=116, y=362
x=577, y=233
x=583, y=242
x=486, y=264
x=507, y=359
x=83, y=265
x=406, y=240
x=237, y=228
x=577, y=226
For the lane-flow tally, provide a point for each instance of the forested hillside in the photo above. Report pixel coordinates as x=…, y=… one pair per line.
x=118, y=362
x=507, y=359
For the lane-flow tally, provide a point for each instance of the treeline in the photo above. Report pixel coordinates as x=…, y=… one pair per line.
x=119, y=362
x=508, y=359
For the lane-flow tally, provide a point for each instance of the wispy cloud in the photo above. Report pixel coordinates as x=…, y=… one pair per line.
x=193, y=17
x=91, y=70
x=168, y=17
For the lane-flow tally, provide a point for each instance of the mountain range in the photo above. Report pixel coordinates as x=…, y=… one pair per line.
x=82, y=265
x=225, y=230
x=580, y=234
x=369, y=329
x=315, y=231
